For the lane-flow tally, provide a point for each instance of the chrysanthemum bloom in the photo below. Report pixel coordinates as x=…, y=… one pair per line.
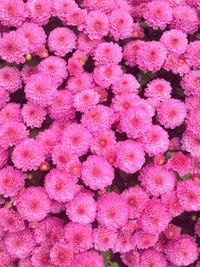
x=130, y=156
x=40, y=257
x=175, y=41
x=136, y=200
x=158, y=14
x=173, y=231
x=182, y=251
x=112, y=211
x=151, y=257
x=26, y=262
x=155, y=140
x=130, y=51
x=106, y=75
x=104, y=239
x=11, y=181
x=20, y=244
x=191, y=144
x=10, y=113
x=82, y=209
x=131, y=258
x=155, y=217
x=105, y=5
x=28, y=155
x=11, y=221
x=157, y=180
x=192, y=103
x=158, y=89
x=5, y=257
x=61, y=41
x=61, y=8
x=49, y=231
x=108, y=53
x=10, y=79
x=79, y=235
x=123, y=243
x=80, y=82
x=121, y=24
x=13, y=47
x=33, y=204
x=62, y=254
x=12, y=13
x=85, y=99
x=151, y=56
x=54, y=67
x=103, y=142
x=180, y=163
x=3, y=157
x=185, y=18
x=176, y=64
x=188, y=193
x=4, y=97
x=85, y=44
x=77, y=139
x=171, y=201
x=40, y=89
x=60, y=186
x=98, y=118
x=97, y=173
x=76, y=17
x=193, y=56
x=12, y=133
x=171, y=113
x=97, y=25
x=197, y=227
x=35, y=35
x=56, y=207
x=135, y=122
x=39, y=11
x=33, y=116
x=27, y=71
x=88, y=259
x=143, y=240
x=74, y=66
x=127, y=83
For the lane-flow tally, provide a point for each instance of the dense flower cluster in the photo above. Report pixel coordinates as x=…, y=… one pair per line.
x=99, y=133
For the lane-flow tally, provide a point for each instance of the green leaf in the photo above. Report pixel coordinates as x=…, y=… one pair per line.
x=198, y=36
x=143, y=24
x=186, y=177
x=169, y=154
x=114, y=264
x=106, y=256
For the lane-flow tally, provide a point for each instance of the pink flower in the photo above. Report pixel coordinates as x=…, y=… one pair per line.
x=151, y=56
x=5, y=257
x=158, y=14
x=191, y=144
x=182, y=251
x=108, y=53
x=130, y=156
x=97, y=25
x=158, y=89
x=74, y=66
x=155, y=140
x=85, y=44
x=11, y=221
x=175, y=41
x=35, y=35
x=127, y=83
x=188, y=193
x=40, y=89
x=13, y=47
x=85, y=99
x=33, y=204
x=106, y=75
x=62, y=254
x=185, y=18
x=105, y=5
x=121, y=24
x=112, y=211
x=151, y=256
x=12, y=13
x=10, y=79
x=76, y=17
x=131, y=258
x=176, y=64
x=4, y=97
x=136, y=200
x=171, y=113
x=28, y=155
x=135, y=122
x=143, y=240
x=28, y=71
x=39, y=11
x=88, y=259
x=11, y=181
x=61, y=41
x=81, y=82
x=20, y=244
x=157, y=180
x=98, y=118
x=82, y=209
x=12, y=133
x=180, y=163
x=155, y=217
x=10, y=113
x=173, y=231
x=60, y=186
x=33, y=116
x=197, y=227
x=97, y=173
x=79, y=235
x=40, y=257
x=3, y=157
x=104, y=239
x=130, y=51
x=171, y=201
